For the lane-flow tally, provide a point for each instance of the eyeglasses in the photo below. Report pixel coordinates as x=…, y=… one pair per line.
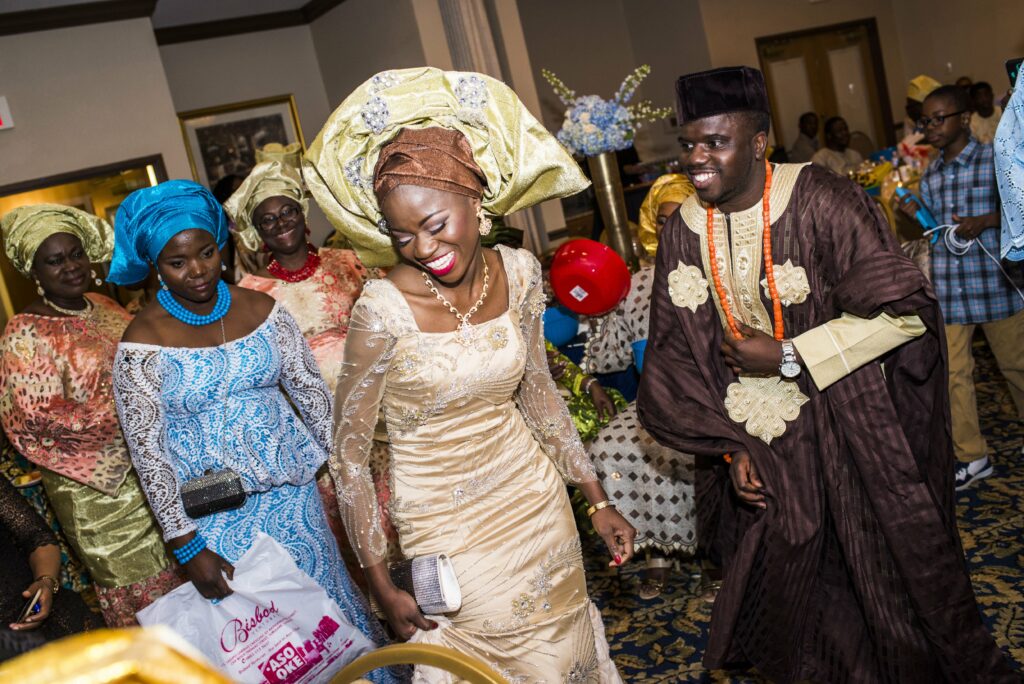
x=288, y=214
x=938, y=119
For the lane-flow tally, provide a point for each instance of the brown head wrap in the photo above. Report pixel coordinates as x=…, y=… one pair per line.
x=439, y=158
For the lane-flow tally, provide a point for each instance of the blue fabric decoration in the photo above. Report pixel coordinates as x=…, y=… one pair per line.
x=1009, y=159
x=148, y=218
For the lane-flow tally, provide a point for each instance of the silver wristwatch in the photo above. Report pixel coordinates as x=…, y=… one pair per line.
x=789, y=368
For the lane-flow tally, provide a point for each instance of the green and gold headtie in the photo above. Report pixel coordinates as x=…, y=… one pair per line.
x=267, y=179
x=522, y=162
x=25, y=228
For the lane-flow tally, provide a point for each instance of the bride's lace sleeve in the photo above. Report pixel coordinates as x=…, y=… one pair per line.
x=301, y=378
x=137, y=383
x=369, y=349
x=538, y=399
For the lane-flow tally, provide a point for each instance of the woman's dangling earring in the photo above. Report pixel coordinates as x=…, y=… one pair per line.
x=485, y=222
x=95, y=277
x=39, y=288
x=163, y=285
x=223, y=267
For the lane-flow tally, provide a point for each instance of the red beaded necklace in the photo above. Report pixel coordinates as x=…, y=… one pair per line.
x=769, y=265
x=297, y=276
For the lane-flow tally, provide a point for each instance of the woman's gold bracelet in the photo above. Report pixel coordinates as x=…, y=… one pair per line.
x=598, y=506
x=54, y=584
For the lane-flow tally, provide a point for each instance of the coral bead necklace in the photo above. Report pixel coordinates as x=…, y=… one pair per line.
x=297, y=276
x=769, y=265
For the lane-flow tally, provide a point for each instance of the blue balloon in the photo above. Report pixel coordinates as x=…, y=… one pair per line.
x=560, y=325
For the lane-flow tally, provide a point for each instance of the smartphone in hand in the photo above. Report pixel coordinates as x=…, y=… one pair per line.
x=1012, y=69
x=32, y=607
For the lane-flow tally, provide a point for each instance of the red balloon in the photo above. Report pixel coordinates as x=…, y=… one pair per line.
x=589, y=277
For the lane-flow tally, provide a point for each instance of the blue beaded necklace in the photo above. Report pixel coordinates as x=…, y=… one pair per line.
x=175, y=308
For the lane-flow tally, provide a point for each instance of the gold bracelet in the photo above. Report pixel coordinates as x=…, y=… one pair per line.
x=54, y=585
x=598, y=506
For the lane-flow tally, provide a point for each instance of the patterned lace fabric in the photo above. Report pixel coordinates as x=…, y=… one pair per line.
x=481, y=446
x=189, y=410
x=56, y=400
x=415, y=380
x=610, y=347
x=321, y=305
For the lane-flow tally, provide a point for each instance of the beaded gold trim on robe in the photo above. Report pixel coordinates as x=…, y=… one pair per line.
x=762, y=404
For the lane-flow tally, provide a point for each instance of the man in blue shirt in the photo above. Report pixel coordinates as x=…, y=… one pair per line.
x=960, y=188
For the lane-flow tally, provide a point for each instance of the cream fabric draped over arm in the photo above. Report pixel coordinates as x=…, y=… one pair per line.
x=835, y=349
x=369, y=350
x=538, y=399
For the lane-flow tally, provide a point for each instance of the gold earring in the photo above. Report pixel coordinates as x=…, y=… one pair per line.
x=95, y=277
x=39, y=288
x=485, y=222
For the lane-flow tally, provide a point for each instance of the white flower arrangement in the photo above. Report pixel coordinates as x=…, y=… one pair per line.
x=594, y=125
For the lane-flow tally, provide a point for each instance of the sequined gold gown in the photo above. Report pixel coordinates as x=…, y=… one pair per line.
x=481, y=444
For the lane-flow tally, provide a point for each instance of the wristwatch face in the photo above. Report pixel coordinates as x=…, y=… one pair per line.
x=789, y=369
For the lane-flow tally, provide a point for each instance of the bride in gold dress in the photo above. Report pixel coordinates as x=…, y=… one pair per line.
x=449, y=350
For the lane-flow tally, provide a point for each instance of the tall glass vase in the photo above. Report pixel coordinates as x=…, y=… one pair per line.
x=604, y=172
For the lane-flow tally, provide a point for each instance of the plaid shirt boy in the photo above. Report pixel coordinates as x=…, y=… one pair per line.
x=970, y=288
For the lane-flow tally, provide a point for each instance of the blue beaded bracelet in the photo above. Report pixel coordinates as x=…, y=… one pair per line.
x=190, y=550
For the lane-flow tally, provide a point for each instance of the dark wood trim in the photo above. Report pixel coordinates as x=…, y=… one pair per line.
x=312, y=10
x=229, y=27
x=875, y=46
x=82, y=14
x=157, y=161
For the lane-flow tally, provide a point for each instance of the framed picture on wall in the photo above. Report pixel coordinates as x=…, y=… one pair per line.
x=223, y=140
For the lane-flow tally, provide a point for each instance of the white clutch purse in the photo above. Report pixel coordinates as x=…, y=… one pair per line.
x=431, y=580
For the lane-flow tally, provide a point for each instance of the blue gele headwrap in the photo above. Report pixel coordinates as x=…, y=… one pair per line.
x=150, y=217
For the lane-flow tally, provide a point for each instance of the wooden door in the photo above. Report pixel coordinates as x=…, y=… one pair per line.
x=833, y=71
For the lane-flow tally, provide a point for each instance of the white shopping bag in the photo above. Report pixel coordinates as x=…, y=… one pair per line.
x=278, y=627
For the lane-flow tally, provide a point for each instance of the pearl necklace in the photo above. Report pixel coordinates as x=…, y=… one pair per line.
x=297, y=276
x=76, y=313
x=466, y=332
x=176, y=309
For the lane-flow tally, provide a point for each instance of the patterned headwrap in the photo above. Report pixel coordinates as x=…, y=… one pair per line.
x=672, y=187
x=25, y=228
x=438, y=158
x=1009, y=157
x=150, y=217
x=266, y=180
x=920, y=87
x=520, y=160
x=289, y=155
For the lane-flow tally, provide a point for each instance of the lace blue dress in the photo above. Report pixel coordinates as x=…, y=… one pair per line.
x=185, y=411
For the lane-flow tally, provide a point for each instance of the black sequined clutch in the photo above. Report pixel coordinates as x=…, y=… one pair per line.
x=212, y=493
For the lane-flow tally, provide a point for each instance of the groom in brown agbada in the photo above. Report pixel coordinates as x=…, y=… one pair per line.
x=823, y=380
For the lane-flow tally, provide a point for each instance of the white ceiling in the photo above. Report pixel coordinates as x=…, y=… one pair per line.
x=177, y=12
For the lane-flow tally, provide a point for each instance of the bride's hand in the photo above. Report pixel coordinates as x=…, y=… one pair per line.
x=402, y=613
x=618, y=534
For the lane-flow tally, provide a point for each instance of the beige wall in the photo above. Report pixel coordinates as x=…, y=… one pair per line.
x=83, y=97
x=986, y=34
x=669, y=36
x=358, y=38
x=732, y=25
x=593, y=44
x=219, y=71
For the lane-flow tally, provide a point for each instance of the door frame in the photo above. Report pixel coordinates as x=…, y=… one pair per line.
x=874, y=45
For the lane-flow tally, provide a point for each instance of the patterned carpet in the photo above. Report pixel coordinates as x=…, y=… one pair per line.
x=662, y=640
